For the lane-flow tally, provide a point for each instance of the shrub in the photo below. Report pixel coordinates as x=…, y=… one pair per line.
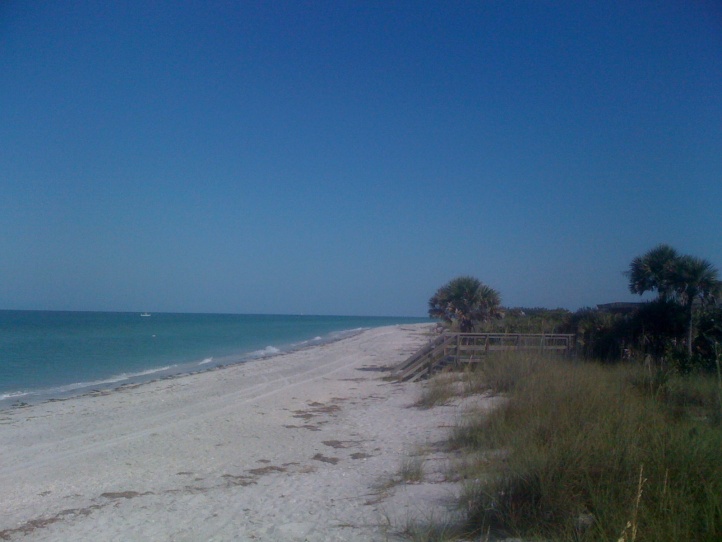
x=570, y=444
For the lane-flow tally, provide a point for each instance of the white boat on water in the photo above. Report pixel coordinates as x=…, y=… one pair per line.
x=146, y=314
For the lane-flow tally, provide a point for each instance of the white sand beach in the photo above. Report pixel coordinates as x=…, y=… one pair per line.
x=292, y=448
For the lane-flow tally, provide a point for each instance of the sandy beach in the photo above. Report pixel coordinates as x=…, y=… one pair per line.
x=296, y=447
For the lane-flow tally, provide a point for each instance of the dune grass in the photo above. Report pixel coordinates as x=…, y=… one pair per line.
x=412, y=470
x=585, y=452
x=438, y=390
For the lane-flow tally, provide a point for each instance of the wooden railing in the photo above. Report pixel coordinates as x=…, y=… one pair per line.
x=422, y=362
x=462, y=348
x=469, y=344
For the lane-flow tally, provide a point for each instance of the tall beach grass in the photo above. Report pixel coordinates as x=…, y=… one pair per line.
x=584, y=452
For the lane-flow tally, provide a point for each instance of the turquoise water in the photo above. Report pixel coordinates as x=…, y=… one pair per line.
x=45, y=355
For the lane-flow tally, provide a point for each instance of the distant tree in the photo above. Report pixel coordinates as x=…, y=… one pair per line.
x=465, y=300
x=600, y=335
x=653, y=271
x=695, y=280
x=709, y=336
x=529, y=320
x=685, y=280
x=657, y=325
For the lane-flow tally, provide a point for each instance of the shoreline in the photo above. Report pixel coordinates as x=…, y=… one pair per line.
x=290, y=450
x=24, y=399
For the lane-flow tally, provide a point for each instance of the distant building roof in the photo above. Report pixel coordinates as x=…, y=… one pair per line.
x=620, y=306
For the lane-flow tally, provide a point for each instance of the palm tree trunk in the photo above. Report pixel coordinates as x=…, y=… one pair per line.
x=690, y=321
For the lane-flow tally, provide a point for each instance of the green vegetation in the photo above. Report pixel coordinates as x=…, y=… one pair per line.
x=686, y=280
x=464, y=301
x=679, y=329
x=588, y=451
x=437, y=391
x=622, y=444
x=529, y=320
x=412, y=470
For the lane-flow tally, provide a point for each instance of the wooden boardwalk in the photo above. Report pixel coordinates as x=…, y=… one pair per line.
x=461, y=348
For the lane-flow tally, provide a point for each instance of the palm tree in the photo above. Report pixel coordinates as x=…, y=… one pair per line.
x=465, y=300
x=694, y=280
x=653, y=271
x=683, y=279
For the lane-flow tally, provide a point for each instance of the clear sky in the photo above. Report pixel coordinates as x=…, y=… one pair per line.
x=351, y=157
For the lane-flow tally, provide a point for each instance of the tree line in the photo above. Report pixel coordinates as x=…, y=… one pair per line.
x=681, y=326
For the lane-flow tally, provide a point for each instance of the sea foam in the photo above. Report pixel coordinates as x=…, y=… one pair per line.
x=266, y=352
x=53, y=354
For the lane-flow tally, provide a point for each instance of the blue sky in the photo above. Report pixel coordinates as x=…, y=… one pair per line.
x=351, y=157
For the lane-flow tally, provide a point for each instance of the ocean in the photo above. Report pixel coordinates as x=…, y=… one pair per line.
x=53, y=355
